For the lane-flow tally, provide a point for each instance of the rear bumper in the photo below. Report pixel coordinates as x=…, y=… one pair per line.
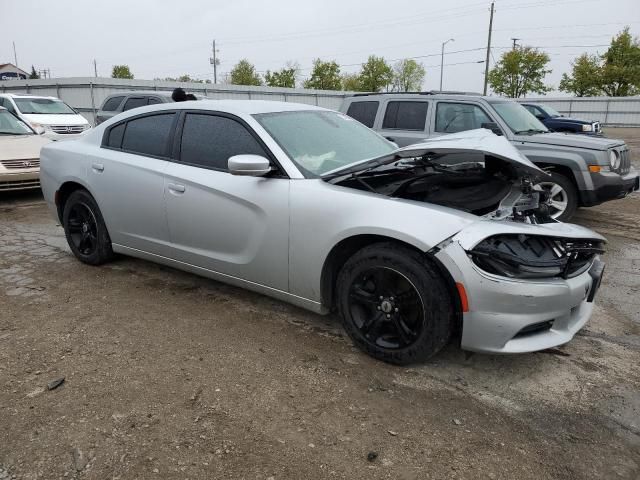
x=610, y=186
x=517, y=316
x=19, y=180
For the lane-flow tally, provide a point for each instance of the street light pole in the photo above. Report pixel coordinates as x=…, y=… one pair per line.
x=442, y=60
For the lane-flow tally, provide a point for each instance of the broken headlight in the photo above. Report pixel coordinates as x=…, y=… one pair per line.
x=532, y=256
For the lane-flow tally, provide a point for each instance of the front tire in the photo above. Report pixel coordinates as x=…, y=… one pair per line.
x=85, y=229
x=394, y=304
x=563, y=196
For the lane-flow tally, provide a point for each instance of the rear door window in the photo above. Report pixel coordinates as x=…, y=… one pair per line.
x=364, y=112
x=154, y=100
x=459, y=117
x=405, y=116
x=134, y=102
x=112, y=104
x=148, y=135
x=209, y=141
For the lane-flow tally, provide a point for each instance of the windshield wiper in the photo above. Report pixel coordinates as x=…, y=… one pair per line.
x=13, y=133
x=531, y=131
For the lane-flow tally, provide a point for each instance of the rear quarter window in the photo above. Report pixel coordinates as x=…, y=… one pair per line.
x=364, y=112
x=134, y=102
x=406, y=116
x=112, y=104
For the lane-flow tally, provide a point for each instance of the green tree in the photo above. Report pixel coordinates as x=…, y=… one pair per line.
x=408, y=75
x=351, y=82
x=285, y=77
x=585, y=79
x=520, y=71
x=34, y=74
x=621, y=69
x=324, y=76
x=376, y=74
x=244, y=73
x=121, y=71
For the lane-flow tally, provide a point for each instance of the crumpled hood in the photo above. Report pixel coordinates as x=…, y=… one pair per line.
x=472, y=141
x=21, y=147
x=570, y=140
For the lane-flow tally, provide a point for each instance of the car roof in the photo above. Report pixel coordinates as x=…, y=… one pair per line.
x=161, y=93
x=363, y=97
x=238, y=107
x=26, y=95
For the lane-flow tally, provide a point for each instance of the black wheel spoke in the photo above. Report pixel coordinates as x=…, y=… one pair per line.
x=360, y=295
x=403, y=335
x=372, y=323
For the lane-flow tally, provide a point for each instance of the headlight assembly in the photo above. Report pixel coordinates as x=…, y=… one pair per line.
x=587, y=128
x=532, y=256
x=614, y=159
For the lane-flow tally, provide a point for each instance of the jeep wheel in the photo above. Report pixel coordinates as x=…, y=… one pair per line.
x=563, y=196
x=394, y=304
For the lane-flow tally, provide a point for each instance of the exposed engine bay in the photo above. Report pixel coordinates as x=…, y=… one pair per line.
x=483, y=185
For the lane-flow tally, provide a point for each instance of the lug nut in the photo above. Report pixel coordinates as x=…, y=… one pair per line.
x=381, y=297
x=396, y=310
x=378, y=307
x=391, y=299
x=388, y=316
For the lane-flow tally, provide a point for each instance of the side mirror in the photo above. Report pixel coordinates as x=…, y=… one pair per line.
x=39, y=130
x=493, y=126
x=540, y=117
x=249, y=165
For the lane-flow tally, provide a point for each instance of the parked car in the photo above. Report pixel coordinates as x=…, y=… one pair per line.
x=121, y=102
x=309, y=206
x=19, y=153
x=585, y=171
x=49, y=116
x=556, y=122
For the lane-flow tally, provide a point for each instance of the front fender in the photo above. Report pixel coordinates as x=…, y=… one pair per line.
x=322, y=215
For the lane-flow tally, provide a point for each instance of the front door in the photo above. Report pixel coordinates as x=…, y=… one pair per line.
x=235, y=225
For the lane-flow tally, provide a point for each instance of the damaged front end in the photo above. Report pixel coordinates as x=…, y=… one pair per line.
x=475, y=172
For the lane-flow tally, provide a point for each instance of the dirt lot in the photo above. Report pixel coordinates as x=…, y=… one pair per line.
x=168, y=375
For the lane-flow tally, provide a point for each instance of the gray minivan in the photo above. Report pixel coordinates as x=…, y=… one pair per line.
x=584, y=171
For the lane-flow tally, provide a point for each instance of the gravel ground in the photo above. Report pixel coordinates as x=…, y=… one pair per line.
x=168, y=375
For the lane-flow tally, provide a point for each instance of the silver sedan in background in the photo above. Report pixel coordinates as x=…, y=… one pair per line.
x=409, y=246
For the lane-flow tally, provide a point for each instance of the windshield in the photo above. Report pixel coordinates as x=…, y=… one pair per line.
x=319, y=141
x=552, y=112
x=10, y=125
x=518, y=118
x=43, y=106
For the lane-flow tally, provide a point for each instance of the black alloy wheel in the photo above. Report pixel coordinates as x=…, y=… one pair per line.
x=85, y=229
x=394, y=303
x=386, y=307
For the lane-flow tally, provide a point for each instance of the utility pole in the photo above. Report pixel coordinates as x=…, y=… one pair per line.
x=214, y=62
x=15, y=57
x=95, y=68
x=486, y=63
x=515, y=40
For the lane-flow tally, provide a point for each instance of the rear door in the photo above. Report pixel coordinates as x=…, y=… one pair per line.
x=404, y=122
x=127, y=180
x=235, y=225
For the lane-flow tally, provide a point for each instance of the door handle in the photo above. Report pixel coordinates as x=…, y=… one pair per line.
x=98, y=167
x=175, y=188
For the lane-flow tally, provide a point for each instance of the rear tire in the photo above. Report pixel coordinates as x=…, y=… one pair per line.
x=85, y=229
x=394, y=304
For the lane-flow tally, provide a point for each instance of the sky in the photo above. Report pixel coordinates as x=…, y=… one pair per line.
x=159, y=38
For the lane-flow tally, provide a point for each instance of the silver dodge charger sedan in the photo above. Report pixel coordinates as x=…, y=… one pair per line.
x=410, y=246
